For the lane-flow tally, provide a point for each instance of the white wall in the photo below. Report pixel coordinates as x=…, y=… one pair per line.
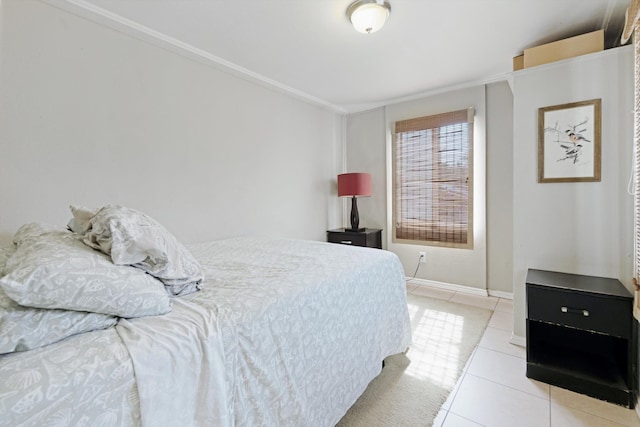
x=91, y=115
x=466, y=267
x=366, y=152
x=491, y=265
x=583, y=228
x=500, y=189
x=368, y=146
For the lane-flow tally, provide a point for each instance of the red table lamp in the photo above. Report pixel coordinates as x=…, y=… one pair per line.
x=354, y=185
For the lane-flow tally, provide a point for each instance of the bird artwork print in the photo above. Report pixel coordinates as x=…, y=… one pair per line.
x=571, y=140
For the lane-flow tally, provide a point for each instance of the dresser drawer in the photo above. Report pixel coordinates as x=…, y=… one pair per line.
x=584, y=311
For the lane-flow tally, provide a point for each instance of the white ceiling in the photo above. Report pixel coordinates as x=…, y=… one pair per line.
x=310, y=48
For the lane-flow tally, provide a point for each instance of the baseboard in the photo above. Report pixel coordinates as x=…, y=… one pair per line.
x=461, y=288
x=501, y=294
x=449, y=287
x=518, y=340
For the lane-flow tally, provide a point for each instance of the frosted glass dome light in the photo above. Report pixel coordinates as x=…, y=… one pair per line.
x=368, y=16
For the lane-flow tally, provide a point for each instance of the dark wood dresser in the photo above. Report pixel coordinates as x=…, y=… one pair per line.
x=581, y=335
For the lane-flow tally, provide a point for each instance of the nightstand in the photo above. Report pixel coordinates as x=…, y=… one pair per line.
x=369, y=238
x=581, y=335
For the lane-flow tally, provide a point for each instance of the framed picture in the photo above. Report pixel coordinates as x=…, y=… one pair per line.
x=569, y=142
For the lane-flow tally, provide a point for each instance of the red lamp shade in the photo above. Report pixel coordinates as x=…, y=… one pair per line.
x=354, y=184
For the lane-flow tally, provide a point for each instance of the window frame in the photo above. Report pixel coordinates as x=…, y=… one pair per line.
x=428, y=121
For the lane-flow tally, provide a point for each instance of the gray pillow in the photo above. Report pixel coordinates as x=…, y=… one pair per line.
x=79, y=223
x=7, y=248
x=55, y=270
x=26, y=328
x=133, y=238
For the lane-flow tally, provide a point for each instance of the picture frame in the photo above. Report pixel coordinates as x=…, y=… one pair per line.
x=569, y=142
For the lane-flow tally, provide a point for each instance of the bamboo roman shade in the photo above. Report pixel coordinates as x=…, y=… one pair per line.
x=432, y=171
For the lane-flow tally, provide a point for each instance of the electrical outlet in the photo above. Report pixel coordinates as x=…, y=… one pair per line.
x=423, y=257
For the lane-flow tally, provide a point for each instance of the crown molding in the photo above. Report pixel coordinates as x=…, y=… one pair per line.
x=86, y=10
x=425, y=94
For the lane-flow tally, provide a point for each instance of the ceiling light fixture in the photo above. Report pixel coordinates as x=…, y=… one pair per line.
x=368, y=16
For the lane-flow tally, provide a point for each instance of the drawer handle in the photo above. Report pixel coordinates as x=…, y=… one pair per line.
x=585, y=313
x=346, y=242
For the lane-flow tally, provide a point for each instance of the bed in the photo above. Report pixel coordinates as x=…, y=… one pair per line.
x=274, y=332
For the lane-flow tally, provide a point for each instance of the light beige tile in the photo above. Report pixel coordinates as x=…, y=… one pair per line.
x=570, y=417
x=506, y=370
x=502, y=320
x=475, y=300
x=498, y=340
x=452, y=395
x=600, y=408
x=491, y=404
x=453, y=420
x=439, y=420
x=505, y=305
x=466, y=365
x=426, y=291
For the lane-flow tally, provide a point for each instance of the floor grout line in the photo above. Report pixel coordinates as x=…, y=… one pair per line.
x=511, y=388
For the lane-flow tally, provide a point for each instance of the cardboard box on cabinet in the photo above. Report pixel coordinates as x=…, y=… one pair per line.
x=559, y=50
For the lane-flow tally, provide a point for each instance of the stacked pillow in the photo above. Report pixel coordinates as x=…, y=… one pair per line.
x=56, y=270
x=26, y=328
x=113, y=262
x=133, y=238
x=54, y=286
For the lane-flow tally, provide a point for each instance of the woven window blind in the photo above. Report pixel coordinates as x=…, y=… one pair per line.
x=432, y=169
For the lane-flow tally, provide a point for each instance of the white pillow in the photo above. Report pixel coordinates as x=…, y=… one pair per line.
x=55, y=270
x=79, y=223
x=26, y=328
x=7, y=248
x=33, y=230
x=133, y=238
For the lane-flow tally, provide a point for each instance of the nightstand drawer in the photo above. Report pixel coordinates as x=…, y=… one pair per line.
x=350, y=239
x=370, y=237
x=579, y=310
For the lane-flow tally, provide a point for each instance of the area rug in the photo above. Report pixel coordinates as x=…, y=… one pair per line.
x=412, y=387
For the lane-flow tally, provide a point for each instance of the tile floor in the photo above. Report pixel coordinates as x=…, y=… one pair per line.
x=493, y=390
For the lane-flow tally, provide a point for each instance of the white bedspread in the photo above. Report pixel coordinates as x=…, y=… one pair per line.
x=83, y=381
x=178, y=360
x=305, y=325
x=283, y=333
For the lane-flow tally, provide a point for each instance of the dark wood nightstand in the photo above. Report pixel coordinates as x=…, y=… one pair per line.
x=369, y=238
x=581, y=335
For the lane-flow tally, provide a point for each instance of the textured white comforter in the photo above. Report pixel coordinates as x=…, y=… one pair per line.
x=302, y=328
x=178, y=360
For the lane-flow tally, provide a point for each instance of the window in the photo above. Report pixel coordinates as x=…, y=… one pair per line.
x=433, y=185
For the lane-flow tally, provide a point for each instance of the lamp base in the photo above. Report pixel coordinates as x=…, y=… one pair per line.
x=355, y=230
